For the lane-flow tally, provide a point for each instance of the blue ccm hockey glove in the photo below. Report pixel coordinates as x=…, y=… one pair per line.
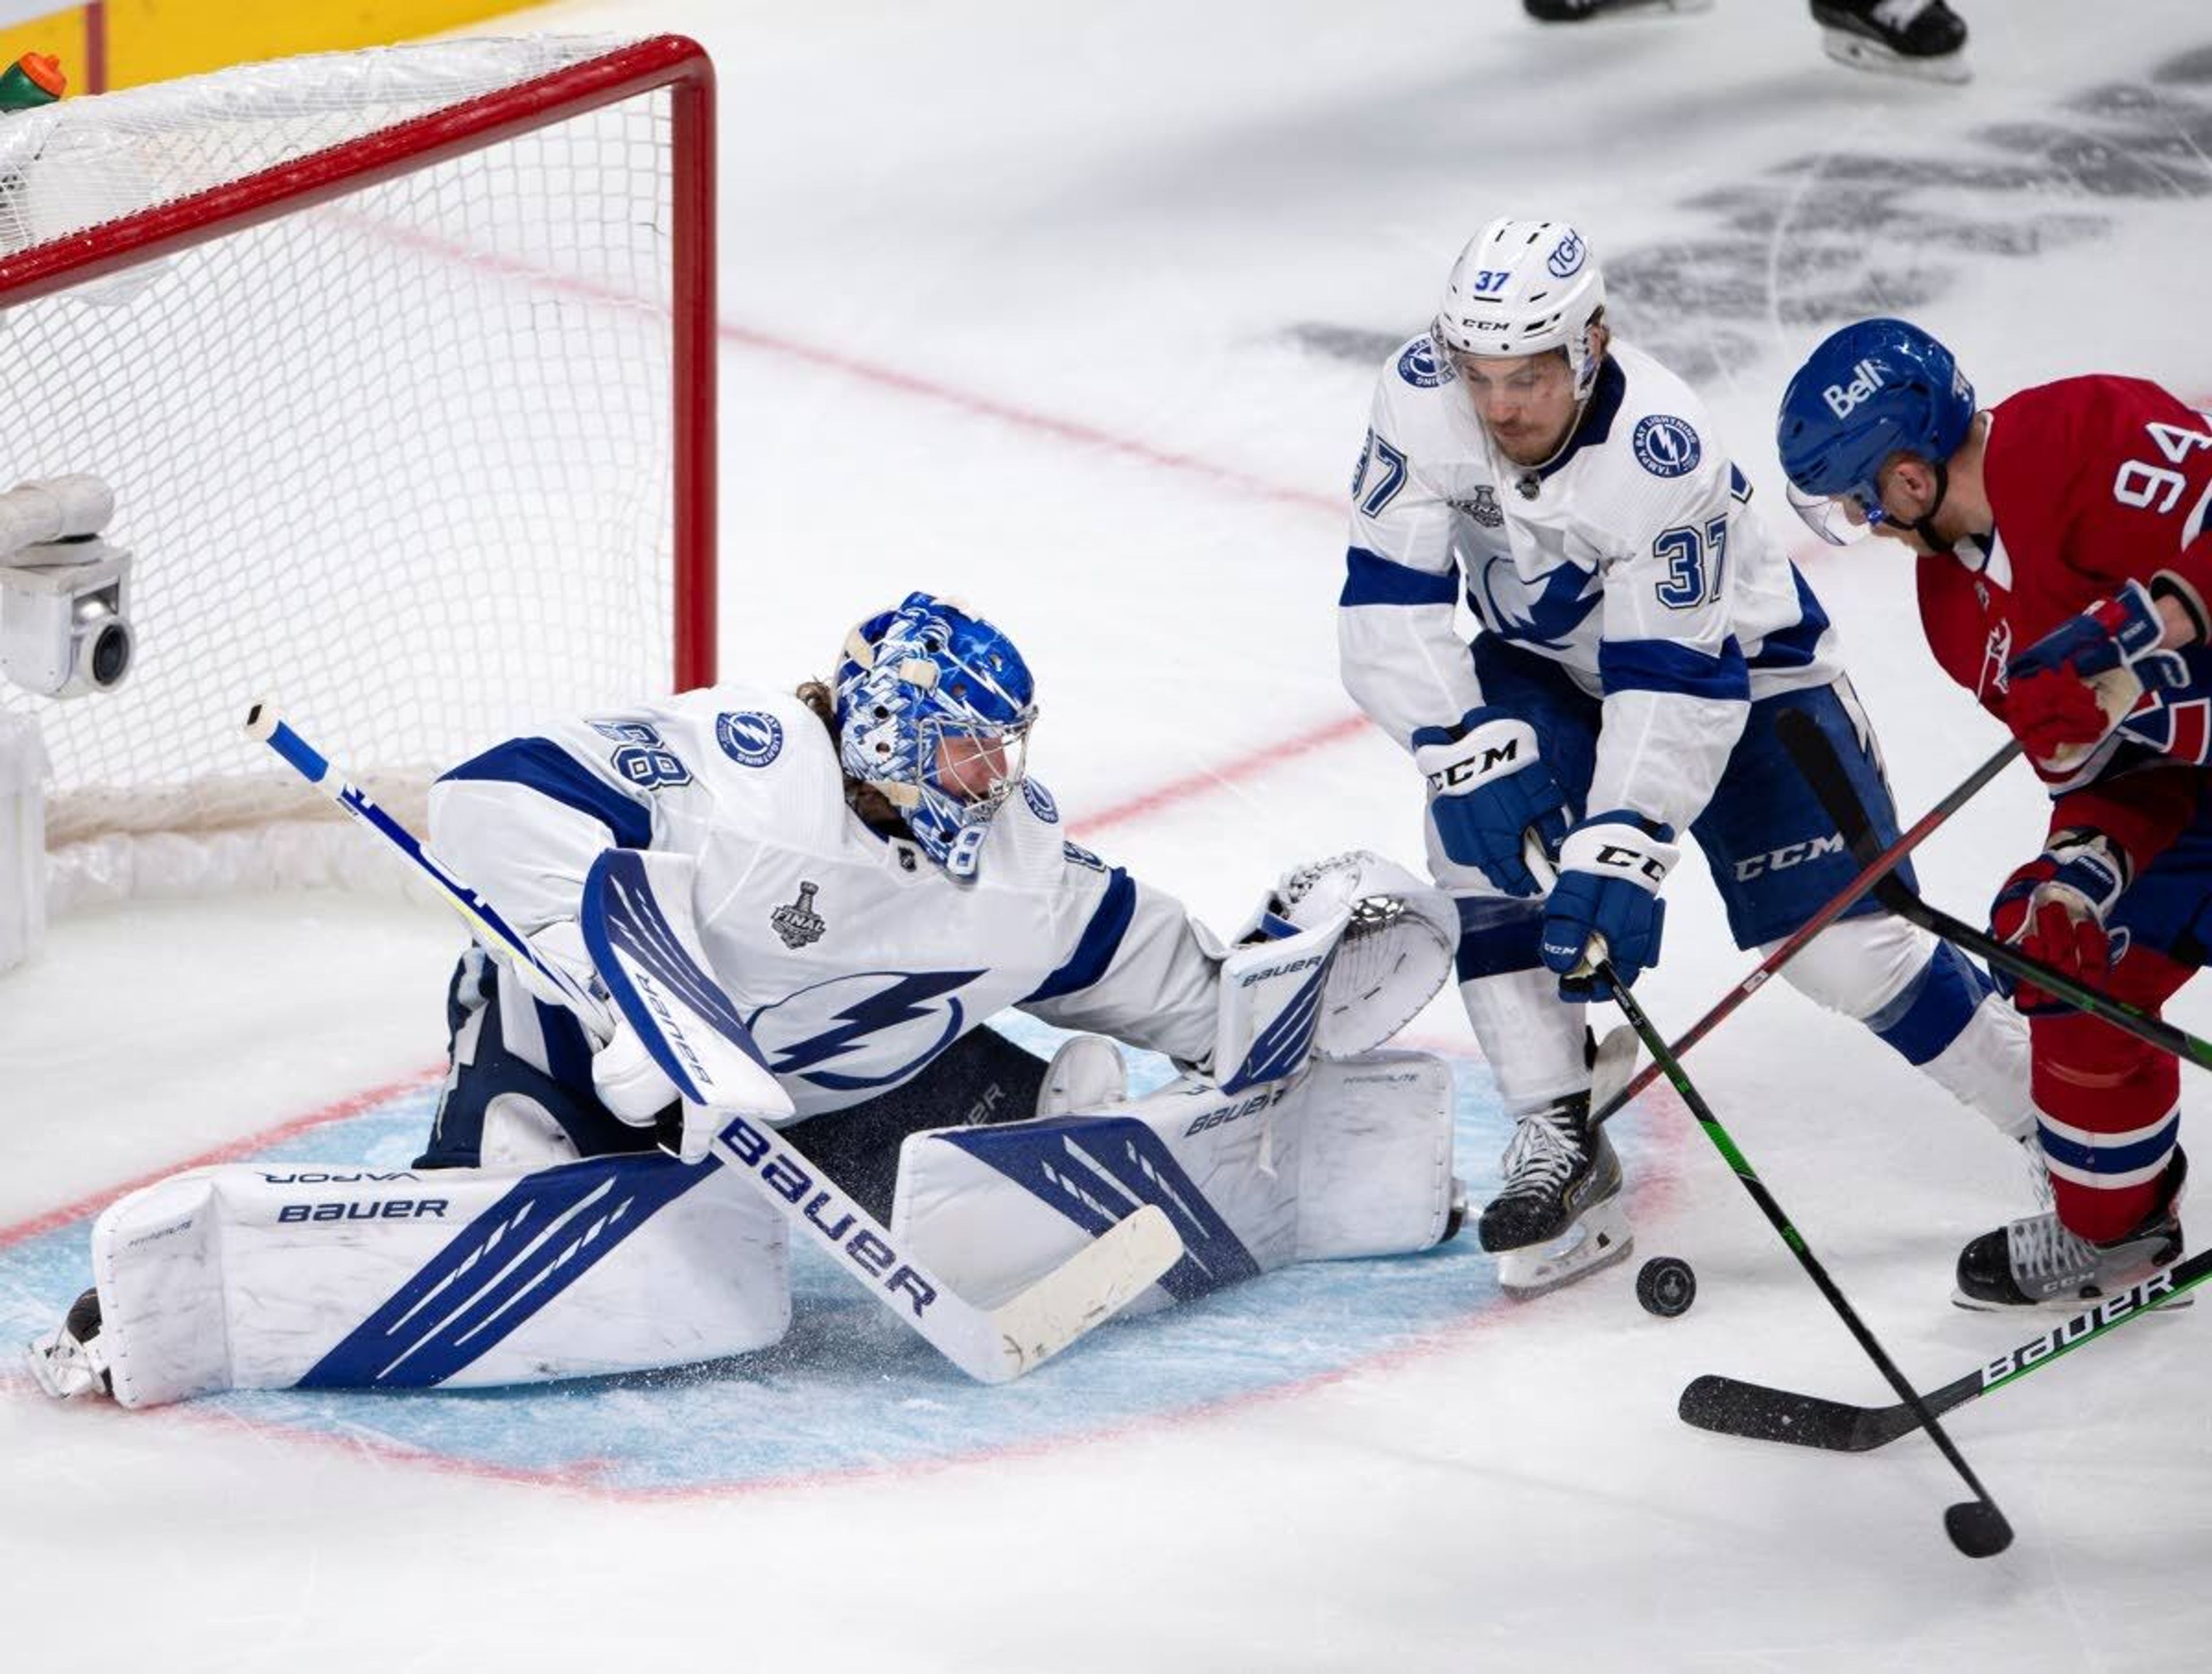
x=1611, y=866
x=1487, y=785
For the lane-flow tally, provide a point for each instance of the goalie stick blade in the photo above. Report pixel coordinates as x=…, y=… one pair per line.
x=1087, y=1289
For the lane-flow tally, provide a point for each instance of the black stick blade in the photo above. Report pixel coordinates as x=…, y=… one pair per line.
x=1730, y=1407
x=1976, y=1528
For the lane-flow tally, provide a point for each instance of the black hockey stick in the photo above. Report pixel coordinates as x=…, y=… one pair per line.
x=1976, y=1526
x=1871, y=872
x=1823, y=769
x=1734, y=1408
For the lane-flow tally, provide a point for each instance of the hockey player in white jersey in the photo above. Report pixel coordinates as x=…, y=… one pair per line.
x=1638, y=632
x=872, y=874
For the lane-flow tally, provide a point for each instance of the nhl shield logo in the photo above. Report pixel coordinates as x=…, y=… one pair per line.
x=797, y=922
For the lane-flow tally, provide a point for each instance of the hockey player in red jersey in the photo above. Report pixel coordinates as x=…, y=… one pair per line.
x=2064, y=575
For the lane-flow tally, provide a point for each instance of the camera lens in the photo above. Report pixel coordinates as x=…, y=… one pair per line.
x=111, y=655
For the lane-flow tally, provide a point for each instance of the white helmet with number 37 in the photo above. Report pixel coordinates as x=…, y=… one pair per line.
x=1520, y=287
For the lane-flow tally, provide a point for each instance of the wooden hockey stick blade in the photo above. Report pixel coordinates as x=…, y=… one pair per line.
x=1729, y=1406
x=1088, y=1288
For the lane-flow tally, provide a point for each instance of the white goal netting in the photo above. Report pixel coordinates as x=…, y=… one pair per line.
x=400, y=458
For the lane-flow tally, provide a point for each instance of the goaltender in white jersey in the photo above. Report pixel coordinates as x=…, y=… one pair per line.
x=1639, y=631
x=866, y=874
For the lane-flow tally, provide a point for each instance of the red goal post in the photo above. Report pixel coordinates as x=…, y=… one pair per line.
x=401, y=367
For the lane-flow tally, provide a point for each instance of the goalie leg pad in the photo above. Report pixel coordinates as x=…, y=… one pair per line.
x=272, y=1277
x=1352, y=1158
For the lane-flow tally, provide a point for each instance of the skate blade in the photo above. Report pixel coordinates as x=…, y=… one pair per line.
x=1644, y=10
x=1600, y=1239
x=1857, y=52
x=58, y=1367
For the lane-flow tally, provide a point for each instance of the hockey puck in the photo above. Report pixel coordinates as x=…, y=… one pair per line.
x=1666, y=1286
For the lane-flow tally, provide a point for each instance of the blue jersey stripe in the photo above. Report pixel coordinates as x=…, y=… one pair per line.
x=1664, y=665
x=1372, y=579
x=540, y=764
x=1795, y=646
x=1101, y=941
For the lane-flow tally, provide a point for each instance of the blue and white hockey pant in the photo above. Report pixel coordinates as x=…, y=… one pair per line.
x=518, y=1091
x=1777, y=859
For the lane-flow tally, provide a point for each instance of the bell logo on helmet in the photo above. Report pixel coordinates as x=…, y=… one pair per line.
x=1843, y=399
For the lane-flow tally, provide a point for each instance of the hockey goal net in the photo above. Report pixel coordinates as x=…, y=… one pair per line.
x=400, y=365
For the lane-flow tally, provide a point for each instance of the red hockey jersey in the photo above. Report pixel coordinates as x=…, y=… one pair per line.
x=2095, y=482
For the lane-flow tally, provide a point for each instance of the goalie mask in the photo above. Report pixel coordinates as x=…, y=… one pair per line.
x=934, y=707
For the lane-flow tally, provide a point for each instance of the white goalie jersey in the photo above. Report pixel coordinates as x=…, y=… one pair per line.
x=852, y=957
x=1632, y=560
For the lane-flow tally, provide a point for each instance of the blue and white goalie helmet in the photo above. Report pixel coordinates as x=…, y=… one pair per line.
x=1520, y=287
x=934, y=707
x=1868, y=393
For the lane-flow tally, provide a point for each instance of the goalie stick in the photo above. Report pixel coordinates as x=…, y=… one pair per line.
x=704, y=1049
x=1873, y=869
x=1732, y=1407
x=1817, y=760
x=1976, y=1526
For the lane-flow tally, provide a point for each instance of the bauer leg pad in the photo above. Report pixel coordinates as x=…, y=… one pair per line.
x=1349, y=1157
x=271, y=1278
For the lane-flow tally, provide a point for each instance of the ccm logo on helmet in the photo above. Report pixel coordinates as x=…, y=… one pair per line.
x=1843, y=399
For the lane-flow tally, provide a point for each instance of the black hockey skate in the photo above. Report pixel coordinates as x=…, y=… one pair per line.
x=2037, y=1263
x=1921, y=38
x=68, y=1361
x=1583, y=11
x=1558, y=1215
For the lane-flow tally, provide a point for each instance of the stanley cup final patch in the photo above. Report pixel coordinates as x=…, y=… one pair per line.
x=797, y=922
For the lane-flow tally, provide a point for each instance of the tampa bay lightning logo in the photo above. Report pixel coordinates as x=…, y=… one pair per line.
x=1567, y=257
x=1421, y=367
x=1040, y=801
x=1546, y=613
x=1666, y=446
x=878, y=1027
x=750, y=738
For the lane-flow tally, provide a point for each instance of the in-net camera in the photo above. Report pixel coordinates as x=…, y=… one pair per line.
x=64, y=593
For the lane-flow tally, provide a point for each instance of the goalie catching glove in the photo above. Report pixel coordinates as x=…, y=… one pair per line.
x=1341, y=955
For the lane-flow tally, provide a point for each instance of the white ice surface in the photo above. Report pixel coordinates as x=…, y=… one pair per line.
x=951, y=233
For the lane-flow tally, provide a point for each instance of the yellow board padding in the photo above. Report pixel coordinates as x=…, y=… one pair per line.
x=152, y=40
x=61, y=35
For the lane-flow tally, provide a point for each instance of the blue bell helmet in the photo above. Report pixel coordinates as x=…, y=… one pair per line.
x=1871, y=391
